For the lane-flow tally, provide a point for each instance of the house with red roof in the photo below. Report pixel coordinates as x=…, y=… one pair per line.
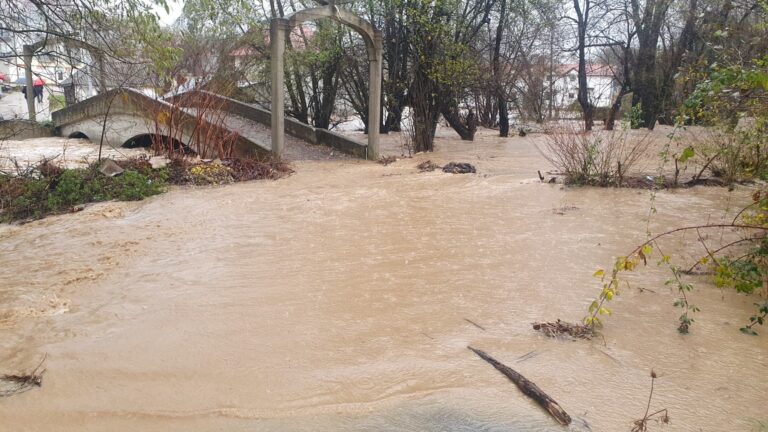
x=602, y=85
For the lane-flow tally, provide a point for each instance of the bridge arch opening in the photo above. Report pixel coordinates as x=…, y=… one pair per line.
x=78, y=135
x=159, y=143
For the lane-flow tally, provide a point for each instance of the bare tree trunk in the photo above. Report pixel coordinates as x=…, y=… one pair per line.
x=610, y=122
x=466, y=130
x=501, y=99
x=676, y=55
x=396, y=51
x=583, y=95
x=625, y=87
x=646, y=90
x=425, y=111
x=645, y=83
x=326, y=104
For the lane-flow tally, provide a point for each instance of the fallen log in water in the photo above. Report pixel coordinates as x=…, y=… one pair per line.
x=527, y=387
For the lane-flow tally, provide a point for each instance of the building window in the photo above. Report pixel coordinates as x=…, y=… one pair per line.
x=570, y=95
x=572, y=78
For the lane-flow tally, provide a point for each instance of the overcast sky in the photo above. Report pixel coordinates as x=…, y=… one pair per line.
x=174, y=7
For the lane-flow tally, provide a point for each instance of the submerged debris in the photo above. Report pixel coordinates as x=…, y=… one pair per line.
x=459, y=168
x=427, y=166
x=251, y=169
x=559, y=328
x=15, y=384
x=386, y=160
x=564, y=209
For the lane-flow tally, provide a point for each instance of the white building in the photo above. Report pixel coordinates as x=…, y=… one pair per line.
x=53, y=65
x=602, y=86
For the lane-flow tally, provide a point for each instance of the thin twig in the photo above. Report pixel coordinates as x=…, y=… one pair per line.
x=474, y=324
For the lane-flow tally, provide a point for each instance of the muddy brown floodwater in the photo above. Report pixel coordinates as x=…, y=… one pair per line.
x=337, y=300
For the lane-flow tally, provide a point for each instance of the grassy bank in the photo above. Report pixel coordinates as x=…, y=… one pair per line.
x=47, y=189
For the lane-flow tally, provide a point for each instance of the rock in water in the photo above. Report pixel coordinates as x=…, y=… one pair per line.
x=109, y=168
x=459, y=168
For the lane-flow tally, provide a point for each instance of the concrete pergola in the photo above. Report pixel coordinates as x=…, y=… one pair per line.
x=279, y=31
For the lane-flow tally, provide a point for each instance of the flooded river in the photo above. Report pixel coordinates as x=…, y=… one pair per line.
x=339, y=299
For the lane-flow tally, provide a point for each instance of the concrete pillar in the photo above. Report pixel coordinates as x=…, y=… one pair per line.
x=278, y=32
x=102, y=73
x=374, y=96
x=27, y=53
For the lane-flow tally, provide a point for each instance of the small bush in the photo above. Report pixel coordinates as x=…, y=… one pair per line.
x=600, y=158
x=68, y=190
x=28, y=197
x=132, y=186
x=22, y=198
x=46, y=189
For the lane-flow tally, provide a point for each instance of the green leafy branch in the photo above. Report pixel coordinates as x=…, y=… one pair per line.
x=756, y=319
x=611, y=284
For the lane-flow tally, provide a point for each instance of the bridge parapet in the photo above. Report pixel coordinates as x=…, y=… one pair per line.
x=23, y=129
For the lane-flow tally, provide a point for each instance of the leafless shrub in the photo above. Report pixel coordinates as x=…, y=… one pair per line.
x=245, y=169
x=731, y=155
x=210, y=137
x=601, y=158
x=661, y=416
x=45, y=167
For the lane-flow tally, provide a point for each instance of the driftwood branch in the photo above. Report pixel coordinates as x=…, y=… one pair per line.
x=15, y=384
x=529, y=388
x=474, y=324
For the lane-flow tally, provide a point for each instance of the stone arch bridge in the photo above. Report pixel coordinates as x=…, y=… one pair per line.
x=199, y=121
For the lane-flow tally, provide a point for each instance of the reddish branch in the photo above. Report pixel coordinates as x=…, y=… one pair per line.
x=698, y=227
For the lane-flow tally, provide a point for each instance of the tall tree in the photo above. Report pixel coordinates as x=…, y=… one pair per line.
x=583, y=9
x=501, y=96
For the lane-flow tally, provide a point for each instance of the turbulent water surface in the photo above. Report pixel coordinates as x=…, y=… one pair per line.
x=340, y=299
